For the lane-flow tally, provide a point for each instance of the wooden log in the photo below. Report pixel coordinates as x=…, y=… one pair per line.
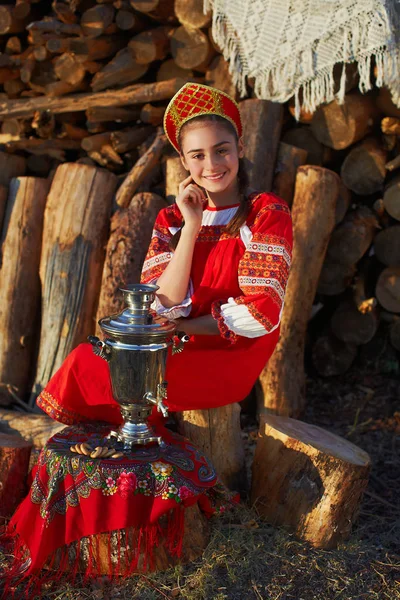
x=175, y=173
x=289, y=158
x=332, y=357
x=42, y=146
x=303, y=137
x=169, y=70
x=313, y=213
x=153, y=115
x=390, y=125
x=394, y=164
x=160, y=10
x=122, y=69
x=217, y=433
x=140, y=170
x=54, y=26
x=130, y=235
x=388, y=289
x=342, y=204
x=191, y=14
x=40, y=53
x=126, y=19
x=262, y=122
x=92, y=48
x=65, y=12
x=218, y=76
x=151, y=45
x=352, y=237
x=387, y=246
x=11, y=166
x=8, y=22
x=394, y=333
x=363, y=170
x=308, y=480
x=364, y=303
x=44, y=123
x=195, y=539
x=95, y=142
x=391, y=198
x=352, y=326
x=385, y=103
x=16, y=127
x=135, y=94
x=119, y=114
x=75, y=232
x=191, y=48
x=13, y=45
x=39, y=165
x=341, y=125
x=15, y=453
x=19, y=282
x=3, y=204
x=335, y=278
x=13, y=88
x=127, y=139
x=96, y=19
x=68, y=68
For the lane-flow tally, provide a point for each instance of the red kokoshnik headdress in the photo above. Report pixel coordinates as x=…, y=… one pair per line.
x=194, y=100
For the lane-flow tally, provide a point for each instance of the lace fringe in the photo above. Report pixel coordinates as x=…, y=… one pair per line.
x=128, y=552
x=314, y=88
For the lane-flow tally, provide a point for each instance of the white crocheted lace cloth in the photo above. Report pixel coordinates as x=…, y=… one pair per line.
x=293, y=45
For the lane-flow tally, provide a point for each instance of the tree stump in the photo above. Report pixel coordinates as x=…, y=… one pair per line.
x=129, y=239
x=308, y=480
x=35, y=429
x=217, y=433
x=76, y=225
x=283, y=381
x=195, y=540
x=14, y=464
x=262, y=123
x=19, y=282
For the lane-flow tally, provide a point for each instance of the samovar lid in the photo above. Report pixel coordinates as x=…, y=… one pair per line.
x=137, y=322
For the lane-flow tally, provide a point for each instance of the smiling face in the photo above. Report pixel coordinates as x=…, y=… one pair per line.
x=211, y=152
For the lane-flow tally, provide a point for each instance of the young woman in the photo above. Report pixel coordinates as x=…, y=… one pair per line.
x=220, y=256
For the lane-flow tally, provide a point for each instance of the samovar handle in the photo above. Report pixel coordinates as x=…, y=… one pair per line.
x=99, y=347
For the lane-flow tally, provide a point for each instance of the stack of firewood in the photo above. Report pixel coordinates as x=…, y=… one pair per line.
x=85, y=85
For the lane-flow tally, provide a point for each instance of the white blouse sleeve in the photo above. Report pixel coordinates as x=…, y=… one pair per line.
x=175, y=312
x=239, y=320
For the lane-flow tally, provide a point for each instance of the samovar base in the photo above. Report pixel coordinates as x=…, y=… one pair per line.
x=135, y=430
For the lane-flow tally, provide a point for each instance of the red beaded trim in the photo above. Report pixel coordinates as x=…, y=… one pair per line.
x=225, y=332
x=50, y=405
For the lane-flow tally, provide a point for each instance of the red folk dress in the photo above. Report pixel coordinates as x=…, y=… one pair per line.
x=239, y=279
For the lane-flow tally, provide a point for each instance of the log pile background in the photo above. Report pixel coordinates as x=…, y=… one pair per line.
x=85, y=167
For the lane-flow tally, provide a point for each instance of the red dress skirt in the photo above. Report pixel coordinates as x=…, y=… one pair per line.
x=250, y=269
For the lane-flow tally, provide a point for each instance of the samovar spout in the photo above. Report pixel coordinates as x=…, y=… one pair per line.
x=158, y=400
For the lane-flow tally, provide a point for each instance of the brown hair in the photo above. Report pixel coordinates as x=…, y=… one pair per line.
x=243, y=181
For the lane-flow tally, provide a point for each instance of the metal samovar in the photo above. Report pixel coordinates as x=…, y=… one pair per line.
x=135, y=346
